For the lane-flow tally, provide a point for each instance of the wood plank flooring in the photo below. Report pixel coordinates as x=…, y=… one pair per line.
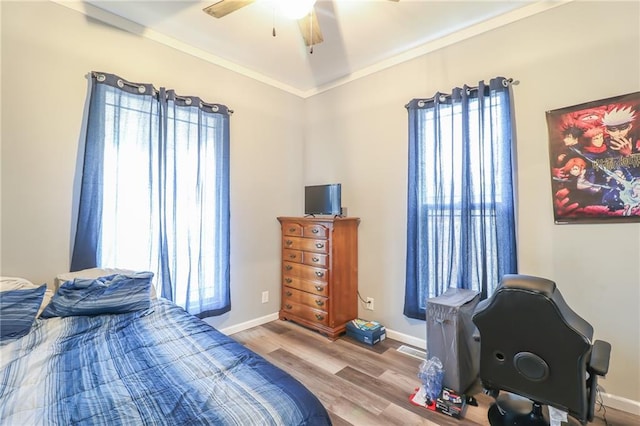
x=366, y=385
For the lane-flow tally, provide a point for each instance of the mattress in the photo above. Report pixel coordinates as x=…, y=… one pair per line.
x=158, y=366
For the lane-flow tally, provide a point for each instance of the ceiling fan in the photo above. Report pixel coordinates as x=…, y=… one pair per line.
x=308, y=23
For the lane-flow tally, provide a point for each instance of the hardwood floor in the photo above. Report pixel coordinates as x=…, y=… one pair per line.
x=366, y=385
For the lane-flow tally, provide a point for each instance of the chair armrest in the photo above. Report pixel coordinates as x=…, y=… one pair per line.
x=600, y=353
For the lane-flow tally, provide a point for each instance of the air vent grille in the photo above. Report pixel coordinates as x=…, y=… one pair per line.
x=416, y=353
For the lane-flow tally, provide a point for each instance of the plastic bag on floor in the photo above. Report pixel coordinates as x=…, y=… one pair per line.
x=431, y=374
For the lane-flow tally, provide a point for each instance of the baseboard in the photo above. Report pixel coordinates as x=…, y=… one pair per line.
x=249, y=324
x=622, y=404
x=405, y=338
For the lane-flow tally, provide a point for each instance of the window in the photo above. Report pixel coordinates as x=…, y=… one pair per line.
x=450, y=127
x=155, y=191
x=461, y=226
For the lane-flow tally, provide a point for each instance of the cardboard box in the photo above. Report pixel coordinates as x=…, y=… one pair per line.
x=369, y=332
x=451, y=403
x=448, y=402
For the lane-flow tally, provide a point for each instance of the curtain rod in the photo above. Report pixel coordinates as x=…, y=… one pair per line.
x=142, y=88
x=506, y=82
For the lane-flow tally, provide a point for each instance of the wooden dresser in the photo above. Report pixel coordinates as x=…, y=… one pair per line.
x=320, y=272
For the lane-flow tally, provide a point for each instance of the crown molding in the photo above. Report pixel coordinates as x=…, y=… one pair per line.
x=472, y=31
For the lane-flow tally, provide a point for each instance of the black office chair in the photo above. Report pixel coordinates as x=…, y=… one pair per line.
x=533, y=345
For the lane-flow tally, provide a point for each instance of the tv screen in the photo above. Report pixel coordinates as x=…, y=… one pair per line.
x=323, y=199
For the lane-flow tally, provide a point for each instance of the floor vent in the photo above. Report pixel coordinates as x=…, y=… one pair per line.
x=416, y=353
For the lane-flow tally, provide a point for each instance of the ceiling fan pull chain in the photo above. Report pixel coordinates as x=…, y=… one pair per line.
x=273, y=32
x=311, y=32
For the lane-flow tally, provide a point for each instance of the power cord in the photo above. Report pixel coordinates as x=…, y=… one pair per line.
x=364, y=302
x=601, y=406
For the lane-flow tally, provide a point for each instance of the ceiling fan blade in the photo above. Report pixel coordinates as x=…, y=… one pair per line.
x=225, y=7
x=310, y=29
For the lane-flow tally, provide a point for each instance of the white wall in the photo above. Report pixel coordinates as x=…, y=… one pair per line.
x=355, y=134
x=578, y=52
x=47, y=51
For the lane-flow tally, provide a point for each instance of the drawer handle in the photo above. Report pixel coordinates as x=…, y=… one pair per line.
x=319, y=302
x=288, y=280
x=315, y=230
x=288, y=267
x=288, y=242
x=292, y=229
x=319, y=288
x=288, y=306
x=319, y=317
x=292, y=256
x=319, y=274
x=320, y=245
x=315, y=259
x=289, y=294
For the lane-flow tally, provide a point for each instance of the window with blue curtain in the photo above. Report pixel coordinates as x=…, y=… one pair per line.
x=155, y=191
x=461, y=229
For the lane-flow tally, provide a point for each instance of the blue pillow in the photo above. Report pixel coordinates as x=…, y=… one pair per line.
x=18, y=309
x=113, y=294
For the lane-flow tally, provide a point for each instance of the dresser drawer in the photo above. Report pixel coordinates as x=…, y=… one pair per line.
x=292, y=229
x=315, y=315
x=305, y=272
x=305, y=244
x=319, y=288
x=315, y=231
x=293, y=255
x=290, y=294
x=314, y=259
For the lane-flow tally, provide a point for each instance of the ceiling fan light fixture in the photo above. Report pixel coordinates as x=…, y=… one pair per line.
x=295, y=9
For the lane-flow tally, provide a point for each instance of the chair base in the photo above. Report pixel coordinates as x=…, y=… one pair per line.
x=505, y=412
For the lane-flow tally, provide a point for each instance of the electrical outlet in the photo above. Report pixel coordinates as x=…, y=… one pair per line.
x=369, y=305
x=265, y=296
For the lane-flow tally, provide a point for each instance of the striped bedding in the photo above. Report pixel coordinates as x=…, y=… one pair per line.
x=159, y=366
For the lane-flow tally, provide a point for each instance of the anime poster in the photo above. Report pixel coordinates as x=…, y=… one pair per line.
x=594, y=151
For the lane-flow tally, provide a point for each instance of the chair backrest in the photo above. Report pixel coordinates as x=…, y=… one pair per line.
x=532, y=344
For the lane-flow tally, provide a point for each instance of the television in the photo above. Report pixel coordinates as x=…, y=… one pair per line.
x=323, y=199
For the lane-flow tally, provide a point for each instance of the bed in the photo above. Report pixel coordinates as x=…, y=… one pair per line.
x=125, y=358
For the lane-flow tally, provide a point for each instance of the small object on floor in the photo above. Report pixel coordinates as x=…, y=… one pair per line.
x=472, y=401
x=366, y=325
x=448, y=402
x=420, y=397
x=557, y=416
x=432, y=374
x=369, y=332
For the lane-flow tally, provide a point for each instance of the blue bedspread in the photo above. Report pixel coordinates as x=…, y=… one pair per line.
x=161, y=366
